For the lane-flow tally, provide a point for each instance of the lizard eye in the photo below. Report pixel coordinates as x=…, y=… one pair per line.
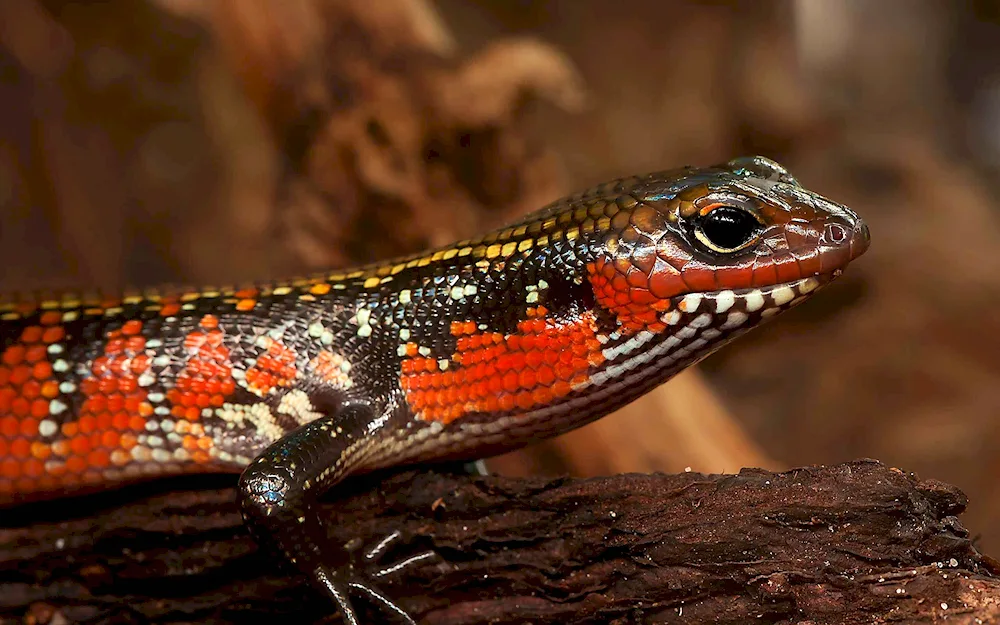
x=727, y=229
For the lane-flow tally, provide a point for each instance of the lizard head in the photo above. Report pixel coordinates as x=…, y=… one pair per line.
x=723, y=247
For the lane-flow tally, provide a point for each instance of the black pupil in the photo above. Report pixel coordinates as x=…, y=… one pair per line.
x=729, y=227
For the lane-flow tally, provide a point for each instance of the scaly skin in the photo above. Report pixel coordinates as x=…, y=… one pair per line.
x=460, y=353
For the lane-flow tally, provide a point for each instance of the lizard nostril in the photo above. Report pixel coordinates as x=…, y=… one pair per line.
x=835, y=234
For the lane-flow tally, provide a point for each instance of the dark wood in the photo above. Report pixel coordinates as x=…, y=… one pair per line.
x=852, y=543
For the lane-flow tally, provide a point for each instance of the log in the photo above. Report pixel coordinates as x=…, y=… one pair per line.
x=853, y=543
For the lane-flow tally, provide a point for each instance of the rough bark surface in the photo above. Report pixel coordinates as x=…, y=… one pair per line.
x=852, y=543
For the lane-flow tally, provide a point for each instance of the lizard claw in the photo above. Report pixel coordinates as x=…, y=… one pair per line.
x=357, y=578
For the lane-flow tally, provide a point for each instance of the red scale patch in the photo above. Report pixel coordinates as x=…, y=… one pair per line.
x=635, y=297
x=492, y=372
x=273, y=369
x=27, y=387
x=207, y=377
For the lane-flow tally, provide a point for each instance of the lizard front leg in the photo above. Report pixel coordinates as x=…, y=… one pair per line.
x=278, y=491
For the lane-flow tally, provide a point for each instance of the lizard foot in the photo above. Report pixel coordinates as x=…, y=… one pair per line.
x=359, y=576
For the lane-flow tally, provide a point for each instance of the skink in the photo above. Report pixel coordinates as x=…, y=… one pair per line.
x=460, y=353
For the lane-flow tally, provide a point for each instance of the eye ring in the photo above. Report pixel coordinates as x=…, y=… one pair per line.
x=725, y=228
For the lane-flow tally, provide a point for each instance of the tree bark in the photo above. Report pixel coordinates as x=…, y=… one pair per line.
x=852, y=543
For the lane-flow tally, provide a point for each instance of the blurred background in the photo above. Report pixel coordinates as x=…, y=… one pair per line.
x=222, y=141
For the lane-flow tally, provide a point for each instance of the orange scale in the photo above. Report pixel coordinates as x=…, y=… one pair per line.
x=31, y=334
x=87, y=423
x=35, y=353
x=133, y=400
x=33, y=467
x=104, y=421
x=39, y=450
x=95, y=403
x=50, y=389
x=116, y=402
x=534, y=359
x=42, y=370
x=107, y=385
x=80, y=445
x=20, y=374
x=561, y=388
x=541, y=396
x=192, y=413
x=10, y=468
x=137, y=423
x=29, y=427
x=209, y=322
x=120, y=457
x=490, y=403
x=475, y=373
x=194, y=340
x=53, y=334
x=89, y=386
x=120, y=420
x=503, y=364
x=127, y=384
x=144, y=409
x=511, y=381
x=200, y=456
x=507, y=402
x=75, y=465
x=31, y=389
x=61, y=448
x=495, y=385
x=415, y=398
x=20, y=448
x=13, y=355
x=527, y=378
x=114, y=347
x=564, y=370
x=99, y=458
x=545, y=375
x=127, y=440
x=10, y=426
x=140, y=364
